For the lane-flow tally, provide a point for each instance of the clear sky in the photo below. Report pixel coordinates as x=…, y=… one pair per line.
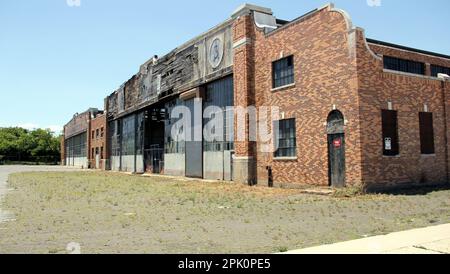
x=56, y=60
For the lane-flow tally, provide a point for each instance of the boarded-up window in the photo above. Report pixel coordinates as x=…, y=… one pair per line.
x=390, y=133
x=426, y=132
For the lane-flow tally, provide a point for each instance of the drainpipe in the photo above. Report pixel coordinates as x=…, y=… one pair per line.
x=269, y=176
x=444, y=79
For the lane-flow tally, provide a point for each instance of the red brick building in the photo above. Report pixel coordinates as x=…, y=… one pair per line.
x=98, y=141
x=340, y=75
x=77, y=141
x=352, y=111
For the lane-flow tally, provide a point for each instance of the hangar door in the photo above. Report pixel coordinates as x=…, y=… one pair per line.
x=194, y=152
x=219, y=123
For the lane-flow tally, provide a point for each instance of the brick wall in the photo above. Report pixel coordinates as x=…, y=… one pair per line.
x=98, y=142
x=408, y=94
x=335, y=68
x=244, y=167
x=325, y=78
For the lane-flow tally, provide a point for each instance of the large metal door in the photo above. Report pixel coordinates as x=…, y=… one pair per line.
x=194, y=148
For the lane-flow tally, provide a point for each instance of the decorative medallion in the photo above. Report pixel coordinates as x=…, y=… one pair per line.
x=216, y=53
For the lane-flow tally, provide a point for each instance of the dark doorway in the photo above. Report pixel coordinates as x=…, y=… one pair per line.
x=194, y=148
x=336, y=149
x=154, y=140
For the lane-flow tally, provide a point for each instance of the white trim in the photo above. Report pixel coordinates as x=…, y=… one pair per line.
x=243, y=41
x=366, y=44
x=285, y=158
x=409, y=51
x=411, y=74
x=283, y=87
x=243, y=157
x=345, y=14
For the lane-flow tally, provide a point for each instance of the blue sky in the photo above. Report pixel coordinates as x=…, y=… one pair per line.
x=56, y=60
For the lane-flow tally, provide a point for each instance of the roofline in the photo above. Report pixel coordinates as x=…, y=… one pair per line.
x=381, y=43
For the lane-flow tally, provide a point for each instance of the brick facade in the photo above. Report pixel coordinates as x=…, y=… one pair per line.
x=408, y=94
x=98, y=143
x=336, y=69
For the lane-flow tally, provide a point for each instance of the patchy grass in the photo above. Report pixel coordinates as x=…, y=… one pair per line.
x=349, y=192
x=115, y=213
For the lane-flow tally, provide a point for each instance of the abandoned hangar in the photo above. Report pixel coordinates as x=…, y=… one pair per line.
x=351, y=110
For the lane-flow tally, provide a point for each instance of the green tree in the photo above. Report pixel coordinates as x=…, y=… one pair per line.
x=21, y=144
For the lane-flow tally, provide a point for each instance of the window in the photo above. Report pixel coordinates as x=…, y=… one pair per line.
x=76, y=146
x=408, y=66
x=286, y=139
x=102, y=132
x=283, y=72
x=435, y=70
x=128, y=136
x=93, y=134
x=426, y=133
x=390, y=133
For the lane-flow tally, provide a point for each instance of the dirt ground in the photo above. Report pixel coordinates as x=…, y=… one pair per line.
x=116, y=213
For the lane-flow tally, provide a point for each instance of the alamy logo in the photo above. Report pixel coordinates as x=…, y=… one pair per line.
x=374, y=3
x=73, y=3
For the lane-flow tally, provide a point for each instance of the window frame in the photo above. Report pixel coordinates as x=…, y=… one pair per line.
x=291, y=150
x=403, y=65
x=436, y=69
x=279, y=68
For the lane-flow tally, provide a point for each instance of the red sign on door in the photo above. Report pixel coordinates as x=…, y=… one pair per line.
x=337, y=143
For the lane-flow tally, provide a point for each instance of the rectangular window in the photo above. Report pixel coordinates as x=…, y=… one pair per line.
x=390, y=133
x=93, y=134
x=102, y=132
x=286, y=139
x=97, y=133
x=283, y=72
x=426, y=133
x=128, y=136
x=435, y=70
x=403, y=65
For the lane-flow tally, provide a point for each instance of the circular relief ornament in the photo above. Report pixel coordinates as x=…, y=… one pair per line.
x=216, y=53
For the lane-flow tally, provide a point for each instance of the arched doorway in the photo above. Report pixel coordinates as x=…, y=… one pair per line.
x=336, y=148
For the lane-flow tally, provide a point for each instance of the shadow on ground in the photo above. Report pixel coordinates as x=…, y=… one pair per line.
x=413, y=190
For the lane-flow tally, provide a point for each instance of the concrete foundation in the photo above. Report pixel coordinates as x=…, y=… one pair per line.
x=140, y=164
x=127, y=163
x=213, y=165
x=244, y=170
x=80, y=162
x=174, y=164
x=115, y=163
